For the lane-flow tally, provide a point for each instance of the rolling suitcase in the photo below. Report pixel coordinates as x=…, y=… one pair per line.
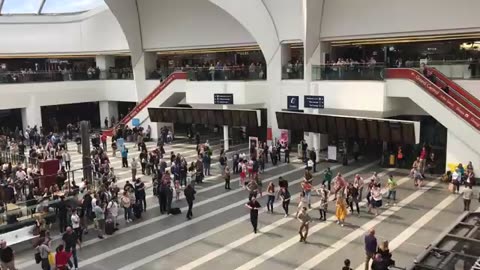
x=109, y=227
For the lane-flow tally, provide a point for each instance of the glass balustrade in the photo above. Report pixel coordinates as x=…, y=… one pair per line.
x=226, y=73
x=373, y=72
x=57, y=76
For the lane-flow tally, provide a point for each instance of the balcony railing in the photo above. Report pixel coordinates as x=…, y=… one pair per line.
x=374, y=72
x=58, y=76
x=453, y=69
x=292, y=72
x=227, y=73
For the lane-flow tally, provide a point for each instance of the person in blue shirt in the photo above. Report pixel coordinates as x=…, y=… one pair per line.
x=124, y=152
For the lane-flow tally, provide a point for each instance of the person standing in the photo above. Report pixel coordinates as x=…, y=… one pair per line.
x=62, y=214
x=287, y=153
x=467, y=195
x=134, y=165
x=112, y=210
x=227, y=177
x=304, y=219
x=124, y=153
x=70, y=241
x=99, y=219
x=67, y=159
x=103, y=138
x=270, y=196
x=75, y=219
x=140, y=194
x=370, y=247
x=127, y=207
x=106, y=122
x=313, y=158
x=253, y=205
x=189, y=193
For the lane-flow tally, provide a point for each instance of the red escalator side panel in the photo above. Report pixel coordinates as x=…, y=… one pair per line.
x=144, y=103
x=435, y=91
x=462, y=92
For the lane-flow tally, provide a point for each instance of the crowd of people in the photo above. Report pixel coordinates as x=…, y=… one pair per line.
x=216, y=71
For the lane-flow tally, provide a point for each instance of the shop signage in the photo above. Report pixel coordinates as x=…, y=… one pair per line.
x=292, y=102
x=223, y=99
x=315, y=102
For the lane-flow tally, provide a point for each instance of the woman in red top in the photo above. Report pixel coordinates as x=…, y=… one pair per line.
x=61, y=258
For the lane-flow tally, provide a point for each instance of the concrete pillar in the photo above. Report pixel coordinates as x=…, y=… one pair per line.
x=104, y=62
x=32, y=115
x=145, y=65
x=226, y=143
x=108, y=109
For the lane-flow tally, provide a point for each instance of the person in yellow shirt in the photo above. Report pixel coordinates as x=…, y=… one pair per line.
x=392, y=190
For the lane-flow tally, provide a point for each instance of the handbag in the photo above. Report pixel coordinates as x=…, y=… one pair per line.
x=51, y=258
x=38, y=258
x=451, y=187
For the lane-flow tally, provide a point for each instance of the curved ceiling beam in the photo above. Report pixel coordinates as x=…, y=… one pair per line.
x=255, y=17
x=126, y=12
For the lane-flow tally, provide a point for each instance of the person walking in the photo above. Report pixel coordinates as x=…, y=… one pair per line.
x=467, y=195
x=327, y=177
x=324, y=194
x=227, y=175
x=189, y=193
x=341, y=207
x=270, y=196
x=304, y=219
x=392, y=189
x=70, y=242
x=134, y=165
x=7, y=256
x=62, y=214
x=285, y=197
x=370, y=247
x=253, y=205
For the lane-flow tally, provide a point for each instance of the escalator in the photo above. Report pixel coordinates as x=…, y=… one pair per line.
x=462, y=123
x=457, y=92
x=166, y=92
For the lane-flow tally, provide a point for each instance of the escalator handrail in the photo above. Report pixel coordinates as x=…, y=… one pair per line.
x=177, y=75
x=436, y=92
x=140, y=106
x=468, y=99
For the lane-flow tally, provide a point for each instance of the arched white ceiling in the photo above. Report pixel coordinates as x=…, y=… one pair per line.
x=127, y=16
x=255, y=17
x=287, y=16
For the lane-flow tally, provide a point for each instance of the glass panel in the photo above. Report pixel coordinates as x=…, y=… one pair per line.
x=348, y=72
x=62, y=6
x=21, y=6
x=214, y=73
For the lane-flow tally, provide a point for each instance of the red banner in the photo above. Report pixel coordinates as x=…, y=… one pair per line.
x=144, y=103
x=426, y=84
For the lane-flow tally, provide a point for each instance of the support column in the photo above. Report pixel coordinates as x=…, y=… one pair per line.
x=141, y=71
x=104, y=63
x=107, y=110
x=226, y=143
x=32, y=115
